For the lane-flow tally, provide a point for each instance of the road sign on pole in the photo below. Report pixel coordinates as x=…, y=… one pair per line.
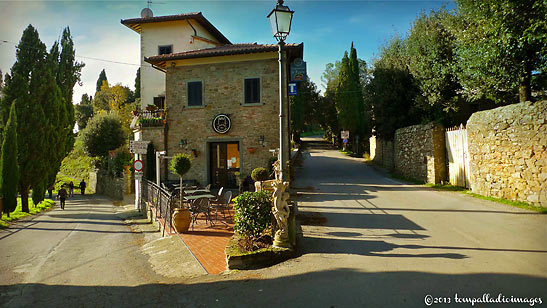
x=138, y=165
x=292, y=88
x=344, y=134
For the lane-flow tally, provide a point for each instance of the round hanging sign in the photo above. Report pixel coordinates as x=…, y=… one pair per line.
x=222, y=123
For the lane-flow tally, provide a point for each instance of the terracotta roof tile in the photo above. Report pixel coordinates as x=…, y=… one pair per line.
x=225, y=50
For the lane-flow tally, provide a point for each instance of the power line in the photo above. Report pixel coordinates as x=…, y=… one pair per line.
x=85, y=57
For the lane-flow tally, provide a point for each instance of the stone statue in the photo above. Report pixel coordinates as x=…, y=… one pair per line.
x=281, y=209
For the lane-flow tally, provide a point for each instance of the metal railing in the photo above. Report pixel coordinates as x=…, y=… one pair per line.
x=160, y=203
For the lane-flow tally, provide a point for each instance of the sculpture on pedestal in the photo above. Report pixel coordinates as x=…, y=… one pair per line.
x=281, y=209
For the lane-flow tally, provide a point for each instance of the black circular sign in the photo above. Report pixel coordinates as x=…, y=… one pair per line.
x=222, y=123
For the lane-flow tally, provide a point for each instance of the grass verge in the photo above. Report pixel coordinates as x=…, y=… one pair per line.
x=18, y=214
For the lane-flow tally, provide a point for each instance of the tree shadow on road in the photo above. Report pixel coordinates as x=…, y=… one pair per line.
x=333, y=288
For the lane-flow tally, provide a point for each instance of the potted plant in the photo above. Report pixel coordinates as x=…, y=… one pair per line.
x=259, y=175
x=240, y=179
x=180, y=165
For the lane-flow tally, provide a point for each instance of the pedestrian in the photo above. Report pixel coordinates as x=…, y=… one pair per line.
x=50, y=192
x=82, y=186
x=71, y=189
x=62, y=196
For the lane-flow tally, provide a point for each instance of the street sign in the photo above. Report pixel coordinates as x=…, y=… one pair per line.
x=138, y=165
x=292, y=88
x=298, y=70
x=138, y=176
x=138, y=147
x=344, y=134
x=345, y=140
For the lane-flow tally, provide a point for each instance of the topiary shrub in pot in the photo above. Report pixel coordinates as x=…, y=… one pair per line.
x=258, y=175
x=180, y=165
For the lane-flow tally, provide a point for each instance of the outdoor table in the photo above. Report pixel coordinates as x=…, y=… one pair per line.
x=194, y=191
x=194, y=197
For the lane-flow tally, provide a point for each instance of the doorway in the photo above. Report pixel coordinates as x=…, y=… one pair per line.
x=224, y=162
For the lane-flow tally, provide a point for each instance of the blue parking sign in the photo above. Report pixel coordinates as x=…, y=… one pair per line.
x=292, y=88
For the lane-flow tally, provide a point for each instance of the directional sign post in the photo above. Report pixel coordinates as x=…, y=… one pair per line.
x=138, y=147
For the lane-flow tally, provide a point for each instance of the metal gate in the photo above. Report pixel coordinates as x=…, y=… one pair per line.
x=458, y=156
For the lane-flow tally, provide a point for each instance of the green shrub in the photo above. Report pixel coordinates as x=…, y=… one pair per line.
x=103, y=133
x=252, y=213
x=260, y=174
x=180, y=164
x=122, y=158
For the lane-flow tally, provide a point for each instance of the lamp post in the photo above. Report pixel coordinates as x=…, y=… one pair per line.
x=280, y=21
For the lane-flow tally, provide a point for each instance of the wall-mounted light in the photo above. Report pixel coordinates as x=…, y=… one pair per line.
x=261, y=140
x=183, y=143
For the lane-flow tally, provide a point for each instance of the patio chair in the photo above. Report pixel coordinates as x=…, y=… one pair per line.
x=223, y=205
x=199, y=206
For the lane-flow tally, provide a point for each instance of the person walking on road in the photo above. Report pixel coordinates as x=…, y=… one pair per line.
x=82, y=186
x=71, y=189
x=62, y=196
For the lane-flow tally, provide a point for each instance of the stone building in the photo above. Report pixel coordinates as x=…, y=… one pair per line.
x=221, y=106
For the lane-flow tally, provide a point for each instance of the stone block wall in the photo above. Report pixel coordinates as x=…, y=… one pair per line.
x=381, y=152
x=508, y=156
x=107, y=185
x=419, y=152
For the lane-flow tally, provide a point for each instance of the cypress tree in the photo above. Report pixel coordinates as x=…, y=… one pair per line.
x=138, y=84
x=102, y=77
x=8, y=165
x=346, y=105
x=356, y=95
x=26, y=85
x=150, y=162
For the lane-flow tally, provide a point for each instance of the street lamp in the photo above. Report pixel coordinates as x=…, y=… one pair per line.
x=280, y=21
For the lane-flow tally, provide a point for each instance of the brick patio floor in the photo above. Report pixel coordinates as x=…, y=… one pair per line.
x=207, y=243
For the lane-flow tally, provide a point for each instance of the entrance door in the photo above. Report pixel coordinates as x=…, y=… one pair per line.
x=224, y=163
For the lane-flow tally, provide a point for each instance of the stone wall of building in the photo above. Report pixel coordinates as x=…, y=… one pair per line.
x=419, y=153
x=508, y=156
x=223, y=93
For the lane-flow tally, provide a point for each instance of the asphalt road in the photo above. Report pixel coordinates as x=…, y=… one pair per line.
x=367, y=241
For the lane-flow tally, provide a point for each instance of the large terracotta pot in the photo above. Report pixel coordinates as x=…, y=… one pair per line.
x=181, y=219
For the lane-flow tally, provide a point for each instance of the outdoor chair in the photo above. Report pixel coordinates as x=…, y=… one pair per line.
x=199, y=206
x=223, y=204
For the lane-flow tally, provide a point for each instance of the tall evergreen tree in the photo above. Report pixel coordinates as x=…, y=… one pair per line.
x=8, y=165
x=363, y=128
x=102, y=78
x=42, y=83
x=27, y=84
x=349, y=97
x=138, y=84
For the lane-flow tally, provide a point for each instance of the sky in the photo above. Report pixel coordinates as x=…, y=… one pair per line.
x=327, y=29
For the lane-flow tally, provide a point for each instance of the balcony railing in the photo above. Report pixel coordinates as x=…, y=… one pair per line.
x=147, y=118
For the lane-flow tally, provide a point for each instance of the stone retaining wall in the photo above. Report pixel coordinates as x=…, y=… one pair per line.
x=108, y=186
x=381, y=152
x=419, y=153
x=508, y=156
